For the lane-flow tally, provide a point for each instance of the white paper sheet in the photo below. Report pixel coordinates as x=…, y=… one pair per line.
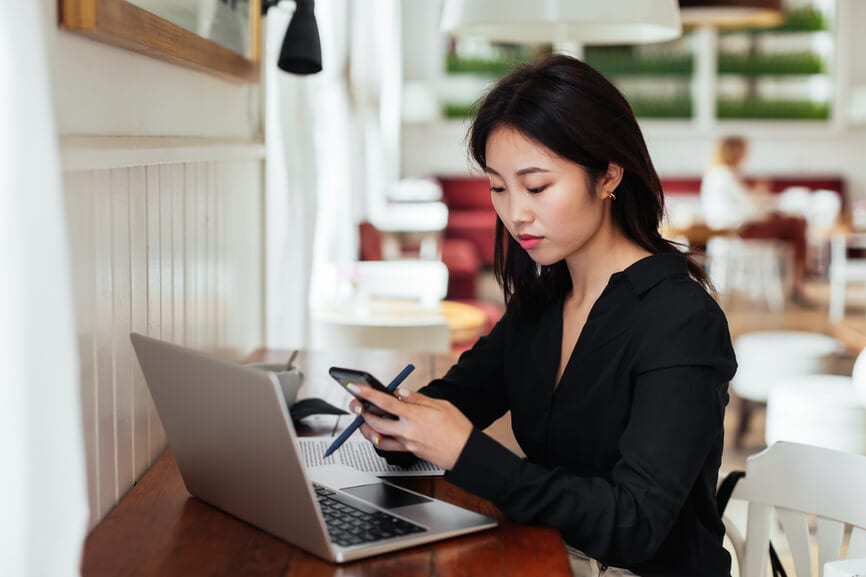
x=360, y=454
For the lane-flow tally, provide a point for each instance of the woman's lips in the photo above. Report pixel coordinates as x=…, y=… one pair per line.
x=527, y=241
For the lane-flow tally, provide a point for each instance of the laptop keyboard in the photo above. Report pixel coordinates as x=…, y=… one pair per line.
x=353, y=524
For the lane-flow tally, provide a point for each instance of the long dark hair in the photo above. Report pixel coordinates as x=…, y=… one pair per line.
x=568, y=107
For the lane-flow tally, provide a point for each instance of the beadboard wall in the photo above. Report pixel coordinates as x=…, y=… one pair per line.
x=173, y=250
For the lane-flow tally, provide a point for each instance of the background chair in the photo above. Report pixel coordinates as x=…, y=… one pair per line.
x=820, y=410
x=846, y=266
x=758, y=268
x=822, y=216
x=759, y=370
x=798, y=482
x=383, y=305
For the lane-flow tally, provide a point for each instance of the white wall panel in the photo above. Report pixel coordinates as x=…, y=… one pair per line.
x=173, y=251
x=121, y=381
x=143, y=185
x=106, y=463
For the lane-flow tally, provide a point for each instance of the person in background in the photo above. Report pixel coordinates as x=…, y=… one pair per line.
x=612, y=356
x=729, y=204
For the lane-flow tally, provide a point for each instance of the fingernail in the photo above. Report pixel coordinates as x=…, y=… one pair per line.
x=402, y=393
x=376, y=440
x=358, y=410
x=352, y=387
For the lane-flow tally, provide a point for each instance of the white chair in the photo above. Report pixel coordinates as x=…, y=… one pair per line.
x=820, y=410
x=424, y=221
x=798, y=482
x=759, y=369
x=845, y=269
x=794, y=201
x=845, y=568
x=415, y=190
x=756, y=267
x=822, y=215
x=383, y=305
x=423, y=280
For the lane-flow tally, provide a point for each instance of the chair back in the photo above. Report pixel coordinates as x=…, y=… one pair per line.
x=794, y=200
x=422, y=280
x=823, y=210
x=392, y=304
x=798, y=482
x=845, y=267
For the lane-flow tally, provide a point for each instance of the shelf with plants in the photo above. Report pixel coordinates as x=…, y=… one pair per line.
x=771, y=109
x=656, y=108
x=458, y=110
x=627, y=61
x=802, y=63
x=782, y=54
x=639, y=72
x=765, y=74
x=501, y=60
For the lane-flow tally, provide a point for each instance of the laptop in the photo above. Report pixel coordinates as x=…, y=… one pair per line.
x=236, y=448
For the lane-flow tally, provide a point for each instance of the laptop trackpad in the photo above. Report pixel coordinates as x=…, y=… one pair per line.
x=385, y=496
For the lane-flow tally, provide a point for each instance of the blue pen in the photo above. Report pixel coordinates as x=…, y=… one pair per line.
x=401, y=376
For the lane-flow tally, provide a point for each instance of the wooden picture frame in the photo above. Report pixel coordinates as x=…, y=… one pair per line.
x=123, y=24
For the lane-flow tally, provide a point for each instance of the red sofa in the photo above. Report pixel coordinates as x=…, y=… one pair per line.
x=471, y=216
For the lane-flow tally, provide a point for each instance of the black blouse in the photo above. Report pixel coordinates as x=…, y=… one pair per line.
x=622, y=457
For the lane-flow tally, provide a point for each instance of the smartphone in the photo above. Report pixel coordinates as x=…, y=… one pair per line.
x=354, y=376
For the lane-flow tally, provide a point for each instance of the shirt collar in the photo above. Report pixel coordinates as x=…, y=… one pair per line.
x=651, y=270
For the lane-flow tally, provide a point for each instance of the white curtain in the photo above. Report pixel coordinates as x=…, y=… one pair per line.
x=43, y=496
x=376, y=79
x=291, y=192
x=333, y=150
x=314, y=188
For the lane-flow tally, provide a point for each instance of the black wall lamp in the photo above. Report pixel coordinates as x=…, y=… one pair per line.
x=302, y=51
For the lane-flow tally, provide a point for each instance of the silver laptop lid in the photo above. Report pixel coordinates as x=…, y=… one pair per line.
x=228, y=428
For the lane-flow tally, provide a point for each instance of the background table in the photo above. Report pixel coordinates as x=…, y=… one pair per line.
x=158, y=529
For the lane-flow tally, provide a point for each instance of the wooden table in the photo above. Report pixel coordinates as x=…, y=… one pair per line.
x=158, y=529
x=851, y=332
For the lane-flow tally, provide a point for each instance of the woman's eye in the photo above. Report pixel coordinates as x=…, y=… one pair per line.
x=497, y=189
x=537, y=189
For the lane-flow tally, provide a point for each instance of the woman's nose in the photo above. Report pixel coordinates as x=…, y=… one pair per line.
x=519, y=210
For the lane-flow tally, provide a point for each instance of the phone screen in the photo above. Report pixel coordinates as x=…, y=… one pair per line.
x=349, y=376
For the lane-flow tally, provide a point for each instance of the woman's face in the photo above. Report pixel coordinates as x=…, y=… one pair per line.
x=545, y=201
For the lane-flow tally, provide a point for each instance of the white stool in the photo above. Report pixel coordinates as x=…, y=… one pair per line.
x=820, y=410
x=757, y=267
x=845, y=568
x=766, y=358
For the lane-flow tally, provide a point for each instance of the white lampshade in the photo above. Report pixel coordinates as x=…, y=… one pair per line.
x=585, y=22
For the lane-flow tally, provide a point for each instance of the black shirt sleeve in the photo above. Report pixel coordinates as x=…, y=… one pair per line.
x=684, y=360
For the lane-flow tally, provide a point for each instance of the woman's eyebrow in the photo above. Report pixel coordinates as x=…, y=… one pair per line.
x=521, y=172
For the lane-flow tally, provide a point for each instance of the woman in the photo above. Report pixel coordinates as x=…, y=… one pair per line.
x=729, y=204
x=612, y=358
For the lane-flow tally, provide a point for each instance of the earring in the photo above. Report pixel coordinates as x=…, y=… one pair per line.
x=611, y=196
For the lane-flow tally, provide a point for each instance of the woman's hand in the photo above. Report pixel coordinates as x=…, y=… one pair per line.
x=432, y=429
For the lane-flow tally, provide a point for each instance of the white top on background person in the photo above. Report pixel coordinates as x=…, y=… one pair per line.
x=726, y=201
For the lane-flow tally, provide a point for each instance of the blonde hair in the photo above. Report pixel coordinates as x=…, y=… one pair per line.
x=729, y=150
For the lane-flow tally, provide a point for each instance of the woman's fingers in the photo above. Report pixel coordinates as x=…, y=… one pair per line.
x=415, y=398
x=384, y=401
x=382, y=442
x=384, y=426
